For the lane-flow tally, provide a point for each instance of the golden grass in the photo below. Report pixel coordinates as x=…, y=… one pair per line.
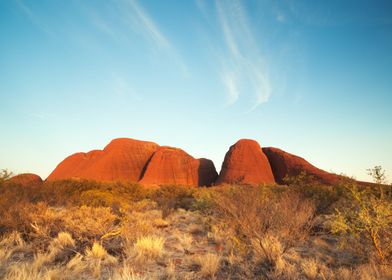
x=133, y=242
x=310, y=268
x=98, y=258
x=149, y=248
x=126, y=273
x=209, y=264
x=170, y=271
x=270, y=250
x=185, y=240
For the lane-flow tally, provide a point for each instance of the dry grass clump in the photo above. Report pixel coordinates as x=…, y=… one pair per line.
x=185, y=240
x=126, y=273
x=270, y=251
x=98, y=258
x=313, y=269
x=12, y=248
x=60, y=248
x=149, y=248
x=209, y=264
x=137, y=224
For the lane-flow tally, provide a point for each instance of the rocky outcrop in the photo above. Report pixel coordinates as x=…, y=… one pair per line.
x=25, y=179
x=245, y=163
x=121, y=159
x=150, y=164
x=206, y=172
x=285, y=164
x=137, y=161
x=173, y=166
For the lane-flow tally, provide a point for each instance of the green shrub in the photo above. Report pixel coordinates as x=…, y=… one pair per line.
x=323, y=196
x=170, y=198
x=365, y=221
x=203, y=200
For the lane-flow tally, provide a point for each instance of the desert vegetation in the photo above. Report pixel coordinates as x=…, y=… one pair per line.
x=78, y=229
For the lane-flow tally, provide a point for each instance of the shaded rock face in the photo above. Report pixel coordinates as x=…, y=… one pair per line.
x=283, y=163
x=245, y=163
x=121, y=159
x=172, y=166
x=207, y=172
x=25, y=179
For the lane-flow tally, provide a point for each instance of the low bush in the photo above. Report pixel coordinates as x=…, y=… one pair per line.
x=170, y=198
x=365, y=224
x=323, y=196
x=254, y=214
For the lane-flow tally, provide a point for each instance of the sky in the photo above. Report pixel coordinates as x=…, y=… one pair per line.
x=313, y=78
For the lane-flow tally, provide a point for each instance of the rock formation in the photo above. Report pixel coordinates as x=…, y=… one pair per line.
x=150, y=164
x=283, y=163
x=207, y=172
x=121, y=159
x=25, y=179
x=133, y=160
x=172, y=166
x=245, y=163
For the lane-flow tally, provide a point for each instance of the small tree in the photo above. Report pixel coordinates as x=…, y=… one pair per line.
x=365, y=218
x=378, y=175
x=4, y=175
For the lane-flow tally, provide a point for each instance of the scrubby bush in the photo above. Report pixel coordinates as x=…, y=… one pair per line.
x=323, y=196
x=255, y=215
x=5, y=175
x=170, y=198
x=365, y=222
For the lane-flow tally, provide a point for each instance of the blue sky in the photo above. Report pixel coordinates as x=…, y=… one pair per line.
x=310, y=77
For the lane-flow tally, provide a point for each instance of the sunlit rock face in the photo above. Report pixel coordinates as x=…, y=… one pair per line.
x=173, y=166
x=121, y=159
x=137, y=161
x=245, y=163
x=285, y=164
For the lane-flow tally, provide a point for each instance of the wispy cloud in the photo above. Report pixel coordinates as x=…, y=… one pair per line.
x=122, y=87
x=243, y=67
x=140, y=21
x=230, y=82
x=33, y=17
x=149, y=26
x=280, y=17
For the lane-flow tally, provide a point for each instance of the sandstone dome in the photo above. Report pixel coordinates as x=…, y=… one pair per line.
x=285, y=164
x=245, y=163
x=173, y=166
x=121, y=159
x=26, y=179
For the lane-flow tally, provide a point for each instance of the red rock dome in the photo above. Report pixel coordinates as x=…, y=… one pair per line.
x=173, y=166
x=245, y=163
x=283, y=163
x=121, y=159
x=25, y=179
